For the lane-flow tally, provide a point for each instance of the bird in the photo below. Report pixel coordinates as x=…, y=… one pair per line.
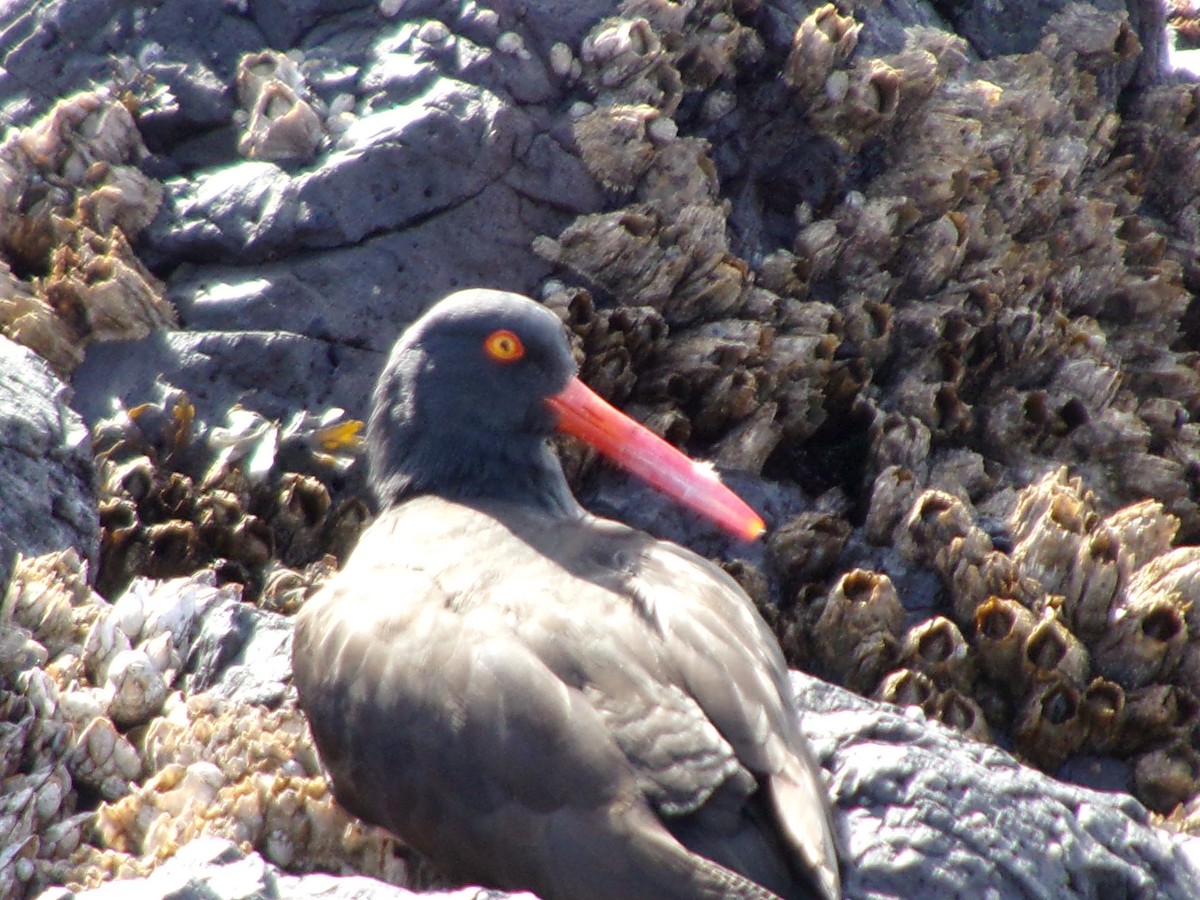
x=533, y=697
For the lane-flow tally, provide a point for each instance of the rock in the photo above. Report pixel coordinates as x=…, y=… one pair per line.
x=420, y=192
x=976, y=839
x=280, y=370
x=999, y=28
x=72, y=200
x=211, y=868
x=45, y=450
x=242, y=654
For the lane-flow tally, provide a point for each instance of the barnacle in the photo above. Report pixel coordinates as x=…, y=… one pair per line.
x=1103, y=711
x=937, y=648
x=1144, y=641
x=1002, y=630
x=962, y=713
x=1049, y=725
x=908, y=687
x=1053, y=652
x=858, y=630
x=282, y=124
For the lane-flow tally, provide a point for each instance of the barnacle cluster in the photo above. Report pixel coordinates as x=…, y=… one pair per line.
x=106, y=768
x=251, y=498
x=238, y=772
x=1183, y=18
x=1080, y=637
x=925, y=283
x=740, y=362
x=76, y=675
x=72, y=200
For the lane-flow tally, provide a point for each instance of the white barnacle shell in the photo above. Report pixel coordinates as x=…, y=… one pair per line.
x=60, y=840
x=19, y=652
x=200, y=784
x=48, y=798
x=434, y=33
x=619, y=49
x=82, y=704
x=130, y=613
x=104, y=759
x=174, y=607
x=512, y=44
x=138, y=689
x=161, y=650
x=67, y=667
x=41, y=691
x=561, y=59
x=105, y=640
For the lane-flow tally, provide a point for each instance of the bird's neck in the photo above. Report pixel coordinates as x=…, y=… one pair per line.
x=468, y=467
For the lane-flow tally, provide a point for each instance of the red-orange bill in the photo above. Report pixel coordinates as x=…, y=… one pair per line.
x=587, y=416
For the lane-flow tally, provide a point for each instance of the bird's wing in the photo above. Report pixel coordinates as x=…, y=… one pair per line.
x=687, y=677
x=436, y=720
x=731, y=664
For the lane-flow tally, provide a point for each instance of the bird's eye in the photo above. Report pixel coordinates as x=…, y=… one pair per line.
x=504, y=346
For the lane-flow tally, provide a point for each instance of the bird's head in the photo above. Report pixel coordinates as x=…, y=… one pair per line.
x=471, y=392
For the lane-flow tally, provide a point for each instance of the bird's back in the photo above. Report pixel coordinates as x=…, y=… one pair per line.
x=561, y=705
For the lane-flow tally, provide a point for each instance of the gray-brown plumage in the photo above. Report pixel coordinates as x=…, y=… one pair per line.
x=533, y=697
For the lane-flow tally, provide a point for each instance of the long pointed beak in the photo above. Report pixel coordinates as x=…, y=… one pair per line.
x=584, y=414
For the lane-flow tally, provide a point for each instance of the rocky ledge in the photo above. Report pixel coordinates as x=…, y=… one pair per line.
x=921, y=279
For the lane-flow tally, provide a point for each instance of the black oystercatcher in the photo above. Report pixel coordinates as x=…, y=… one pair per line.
x=533, y=697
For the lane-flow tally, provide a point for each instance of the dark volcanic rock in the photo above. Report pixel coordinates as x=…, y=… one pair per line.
x=279, y=370
x=241, y=653
x=437, y=172
x=929, y=813
x=45, y=462
x=438, y=175
x=189, y=49
x=1015, y=26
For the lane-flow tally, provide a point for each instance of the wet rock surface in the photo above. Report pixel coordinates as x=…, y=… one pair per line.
x=920, y=278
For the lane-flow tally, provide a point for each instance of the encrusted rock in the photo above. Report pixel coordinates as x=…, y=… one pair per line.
x=105, y=760
x=922, y=283
x=71, y=201
x=239, y=772
x=178, y=496
x=49, y=596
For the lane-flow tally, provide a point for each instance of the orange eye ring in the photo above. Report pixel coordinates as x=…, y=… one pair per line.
x=503, y=346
